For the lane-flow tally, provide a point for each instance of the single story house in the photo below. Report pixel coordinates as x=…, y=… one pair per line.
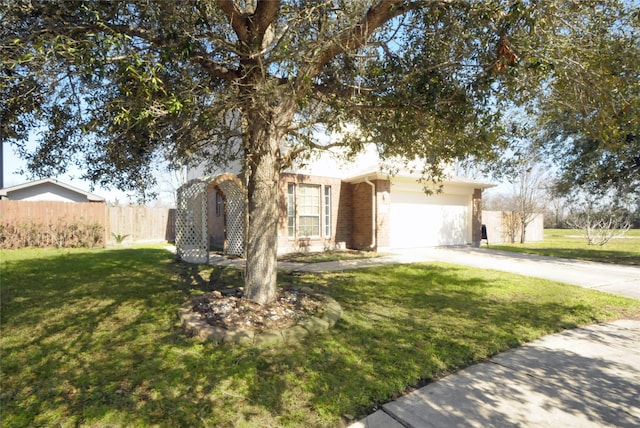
x=48, y=189
x=332, y=204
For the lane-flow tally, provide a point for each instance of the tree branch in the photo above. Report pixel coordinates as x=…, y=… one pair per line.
x=266, y=12
x=214, y=69
x=239, y=22
x=289, y=157
x=376, y=16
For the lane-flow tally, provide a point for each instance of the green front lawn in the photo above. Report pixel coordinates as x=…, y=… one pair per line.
x=572, y=244
x=91, y=337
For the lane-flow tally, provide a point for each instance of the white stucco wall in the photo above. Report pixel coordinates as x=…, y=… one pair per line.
x=498, y=228
x=331, y=163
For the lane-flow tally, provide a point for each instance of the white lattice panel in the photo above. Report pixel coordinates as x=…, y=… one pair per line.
x=235, y=217
x=191, y=223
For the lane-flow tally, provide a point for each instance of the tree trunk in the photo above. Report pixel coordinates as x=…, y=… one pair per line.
x=262, y=239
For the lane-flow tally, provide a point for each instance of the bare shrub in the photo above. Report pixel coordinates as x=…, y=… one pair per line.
x=599, y=225
x=60, y=234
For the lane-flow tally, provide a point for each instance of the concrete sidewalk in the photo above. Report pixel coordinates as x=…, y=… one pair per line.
x=587, y=377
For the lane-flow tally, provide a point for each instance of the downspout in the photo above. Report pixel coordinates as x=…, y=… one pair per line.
x=374, y=221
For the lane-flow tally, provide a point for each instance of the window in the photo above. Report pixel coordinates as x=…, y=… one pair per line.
x=327, y=211
x=219, y=204
x=291, y=210
x=308, y=210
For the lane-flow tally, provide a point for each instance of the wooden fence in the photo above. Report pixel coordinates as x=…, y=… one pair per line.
x=139, y=223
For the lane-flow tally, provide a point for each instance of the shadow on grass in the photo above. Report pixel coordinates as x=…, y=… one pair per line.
x=407, y=325
x=91, y=337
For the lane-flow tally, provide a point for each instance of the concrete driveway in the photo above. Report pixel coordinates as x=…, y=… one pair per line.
x=616, y=279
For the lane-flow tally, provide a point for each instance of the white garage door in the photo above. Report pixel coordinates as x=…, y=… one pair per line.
x=418, y=220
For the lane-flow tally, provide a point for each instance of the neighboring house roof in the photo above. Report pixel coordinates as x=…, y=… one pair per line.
x=48, y=189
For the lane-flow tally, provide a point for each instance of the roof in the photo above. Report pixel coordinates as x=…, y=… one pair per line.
x=375, y=174
x=90, y=196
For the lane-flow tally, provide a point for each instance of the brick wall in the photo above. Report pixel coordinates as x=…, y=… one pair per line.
x=362, y=215
x=343, y=209
x=362, y=220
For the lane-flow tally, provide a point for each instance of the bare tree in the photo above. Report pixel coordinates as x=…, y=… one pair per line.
x=599, y=222
x=555, y=211
x=530, y=195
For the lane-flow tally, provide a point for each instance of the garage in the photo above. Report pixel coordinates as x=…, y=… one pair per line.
x=421, y=220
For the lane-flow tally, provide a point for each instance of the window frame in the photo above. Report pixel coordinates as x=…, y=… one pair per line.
x=294, y=211
x=291, y=211
x=327, y=211
x=309, y=211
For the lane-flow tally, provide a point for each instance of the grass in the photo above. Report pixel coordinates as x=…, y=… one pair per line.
x=90, y=337
x=571, y=244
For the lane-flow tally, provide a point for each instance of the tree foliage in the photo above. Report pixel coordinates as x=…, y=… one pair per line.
x=110, y=85
x=590, y=108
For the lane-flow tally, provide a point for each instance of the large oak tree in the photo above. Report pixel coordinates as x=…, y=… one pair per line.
x=589, y=113
x=113, y=84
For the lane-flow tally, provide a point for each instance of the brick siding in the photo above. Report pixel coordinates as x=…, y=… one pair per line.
x=361, y=236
